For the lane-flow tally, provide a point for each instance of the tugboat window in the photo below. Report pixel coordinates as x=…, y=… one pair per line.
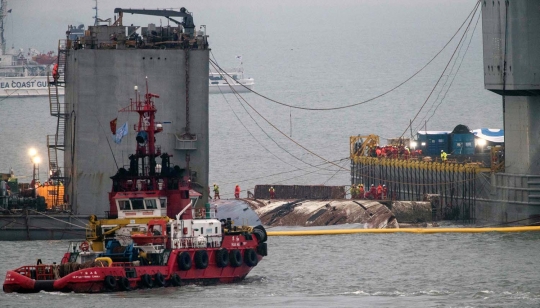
x=151, y=204
x=163, y=202
x=124, y=205
x=137, y=204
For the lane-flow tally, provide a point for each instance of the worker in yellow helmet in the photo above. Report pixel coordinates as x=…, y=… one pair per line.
x=443, y=156
x=272, y=192
x=216, y=192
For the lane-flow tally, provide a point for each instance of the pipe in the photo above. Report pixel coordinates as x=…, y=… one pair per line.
x=106, y=259
x=404, y=230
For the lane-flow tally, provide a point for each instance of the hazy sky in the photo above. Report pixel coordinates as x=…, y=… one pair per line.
x=39, y=23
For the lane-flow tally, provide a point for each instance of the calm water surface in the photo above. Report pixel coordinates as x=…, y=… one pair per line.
x=382, y=270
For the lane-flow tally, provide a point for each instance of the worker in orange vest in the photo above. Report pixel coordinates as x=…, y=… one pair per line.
x=272, y=192
x=55, y=72
x=385, y=192
x=372, y=194
x=361, y=192
x=237, y=191
x=379, y=191
x=353, y=192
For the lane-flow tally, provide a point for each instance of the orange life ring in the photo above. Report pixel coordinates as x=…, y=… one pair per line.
x=84, y=246
x=201, y=213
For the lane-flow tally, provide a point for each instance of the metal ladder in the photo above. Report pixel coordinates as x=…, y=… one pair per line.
x=57, y=106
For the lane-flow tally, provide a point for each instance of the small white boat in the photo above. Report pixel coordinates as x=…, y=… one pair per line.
x=230, y=82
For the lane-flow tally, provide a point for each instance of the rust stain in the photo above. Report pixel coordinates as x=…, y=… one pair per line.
x=302, y=212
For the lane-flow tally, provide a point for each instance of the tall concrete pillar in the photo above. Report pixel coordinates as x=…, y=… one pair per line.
x=511, y=43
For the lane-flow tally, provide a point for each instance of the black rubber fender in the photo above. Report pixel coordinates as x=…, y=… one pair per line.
x=262, y=249
x=235, y=258
x=159, y=280
x=201, y=259
x=110, y=282
x=260, y=233
x=222, y=257
x=175, y=280
x=146, y=281
x=184, y=261
x=123, y=284
x=250, y=257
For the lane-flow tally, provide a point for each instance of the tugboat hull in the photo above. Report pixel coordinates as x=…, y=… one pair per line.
x=31, y=279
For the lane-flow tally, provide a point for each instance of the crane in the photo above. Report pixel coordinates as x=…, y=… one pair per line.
x=187, y=22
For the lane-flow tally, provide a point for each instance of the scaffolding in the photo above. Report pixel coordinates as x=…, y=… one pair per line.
x=449, y=186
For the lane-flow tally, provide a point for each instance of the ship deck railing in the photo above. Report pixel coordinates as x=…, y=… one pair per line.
x=191, y=44
x=212, y=241
x=37, y=272
x=483, y=161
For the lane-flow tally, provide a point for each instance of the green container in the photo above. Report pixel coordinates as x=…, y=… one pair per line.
x=41, y=206
x=207, y=207
x=13, y=184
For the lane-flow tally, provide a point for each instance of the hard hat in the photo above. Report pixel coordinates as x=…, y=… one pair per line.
x=442, y=151
x=372, y=185
x=384, y=185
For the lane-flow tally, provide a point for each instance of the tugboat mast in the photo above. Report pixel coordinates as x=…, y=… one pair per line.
x=146, y=128
x=96, y=16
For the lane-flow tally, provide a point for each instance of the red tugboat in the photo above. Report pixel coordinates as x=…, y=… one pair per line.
x=154, y=235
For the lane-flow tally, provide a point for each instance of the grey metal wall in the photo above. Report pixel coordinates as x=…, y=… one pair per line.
x=511, y=31
x=511, y=34
x=522, y=135
x=101, y=81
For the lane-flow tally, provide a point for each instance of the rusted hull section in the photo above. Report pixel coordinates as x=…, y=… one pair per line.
x=412, y=211
x=324, y=213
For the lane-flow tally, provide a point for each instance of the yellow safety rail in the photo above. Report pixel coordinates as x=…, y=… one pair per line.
x=404, y=230
x=360, y=145
x=415, y=164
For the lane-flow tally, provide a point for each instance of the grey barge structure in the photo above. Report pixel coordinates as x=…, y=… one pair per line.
x=97, y=69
